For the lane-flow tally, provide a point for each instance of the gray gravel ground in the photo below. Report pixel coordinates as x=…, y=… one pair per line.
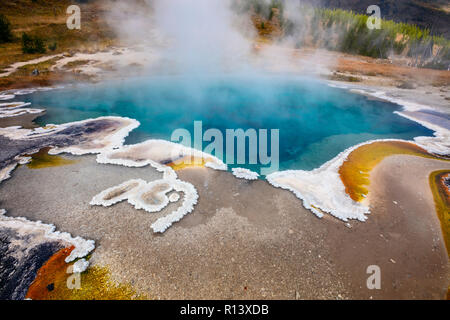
x=244, y=239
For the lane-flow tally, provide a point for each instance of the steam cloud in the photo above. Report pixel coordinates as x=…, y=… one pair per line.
x=194, y=36
x=203, y=34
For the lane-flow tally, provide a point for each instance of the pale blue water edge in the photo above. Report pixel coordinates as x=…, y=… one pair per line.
x=316, y=122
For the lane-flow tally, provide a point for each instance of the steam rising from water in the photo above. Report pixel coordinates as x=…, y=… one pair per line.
x=208, y=37
x=191, y=36
x=203, y=35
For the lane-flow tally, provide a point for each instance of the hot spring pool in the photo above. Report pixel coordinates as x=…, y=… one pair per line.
x=315, y=121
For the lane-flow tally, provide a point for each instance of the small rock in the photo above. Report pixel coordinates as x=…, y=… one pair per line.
x=406, y=85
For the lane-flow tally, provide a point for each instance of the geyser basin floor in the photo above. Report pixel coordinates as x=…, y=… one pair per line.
x=253, y=241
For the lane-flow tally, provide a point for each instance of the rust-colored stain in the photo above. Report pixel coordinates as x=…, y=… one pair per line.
x=95, y=283
x=355, y=170
x=42, y=159
x=52, y=272
x=441, y=197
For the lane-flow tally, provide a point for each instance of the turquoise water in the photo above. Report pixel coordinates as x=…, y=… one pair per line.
x=316, y=122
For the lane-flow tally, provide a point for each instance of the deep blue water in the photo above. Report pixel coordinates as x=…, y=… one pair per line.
x=316, y=122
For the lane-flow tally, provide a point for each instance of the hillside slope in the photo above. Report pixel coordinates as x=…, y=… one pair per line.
x=431, y=14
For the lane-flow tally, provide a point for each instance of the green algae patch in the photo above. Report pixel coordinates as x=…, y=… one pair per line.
x=441, y=195
x=42, y=159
